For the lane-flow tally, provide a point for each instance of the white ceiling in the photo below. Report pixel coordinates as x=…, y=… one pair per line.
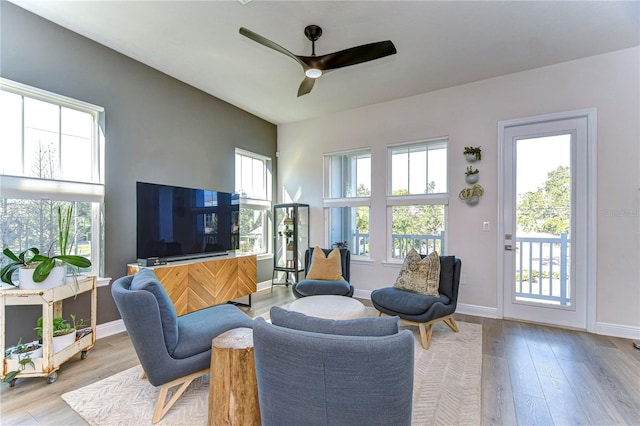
x=440, y=44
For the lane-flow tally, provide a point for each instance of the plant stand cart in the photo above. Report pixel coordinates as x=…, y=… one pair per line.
x=51, y=301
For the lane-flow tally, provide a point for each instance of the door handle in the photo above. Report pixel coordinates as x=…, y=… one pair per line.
x=508, y=240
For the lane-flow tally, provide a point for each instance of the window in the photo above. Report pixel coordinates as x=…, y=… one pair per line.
x=253, y=183
x=347, y=192
x=417, y=197
x=52, y=155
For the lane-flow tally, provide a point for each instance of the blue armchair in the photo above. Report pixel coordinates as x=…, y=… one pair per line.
x=420, y=309
x=172, y=350
x=314, y=371
x=308, y=287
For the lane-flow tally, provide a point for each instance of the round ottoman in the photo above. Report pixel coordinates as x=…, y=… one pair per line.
x=329, y=307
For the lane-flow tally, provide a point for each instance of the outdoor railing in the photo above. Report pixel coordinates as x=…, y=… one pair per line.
x=542, y=269
x=401, y=244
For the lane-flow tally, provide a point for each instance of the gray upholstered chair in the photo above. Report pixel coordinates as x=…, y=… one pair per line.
x=172, y=350
x=421, y=309
x=308, y=287
x=314, y=371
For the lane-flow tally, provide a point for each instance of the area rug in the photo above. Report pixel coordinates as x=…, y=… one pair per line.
x=446, y=388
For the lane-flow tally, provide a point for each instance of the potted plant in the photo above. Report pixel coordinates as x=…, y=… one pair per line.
x=472, y=153
x=40, y=271
x=471, y=194
x=471, y=175
x=24, y=353
x=64, y=333
x=341, y=244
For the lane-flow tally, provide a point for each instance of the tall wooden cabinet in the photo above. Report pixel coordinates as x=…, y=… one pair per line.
x=200, y=283
x=291, y=239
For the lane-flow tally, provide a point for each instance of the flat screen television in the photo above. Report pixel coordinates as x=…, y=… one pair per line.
x=175, y=223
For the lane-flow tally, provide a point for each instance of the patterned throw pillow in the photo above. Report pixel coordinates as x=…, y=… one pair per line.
x=325, y=268
x=420, y=275
x=433, y=274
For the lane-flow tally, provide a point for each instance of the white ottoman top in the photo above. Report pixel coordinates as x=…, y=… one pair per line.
x=329, y=307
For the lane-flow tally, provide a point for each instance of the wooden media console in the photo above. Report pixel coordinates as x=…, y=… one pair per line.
x=200, y=283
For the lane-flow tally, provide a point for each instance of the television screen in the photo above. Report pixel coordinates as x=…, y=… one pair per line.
x=182, y=223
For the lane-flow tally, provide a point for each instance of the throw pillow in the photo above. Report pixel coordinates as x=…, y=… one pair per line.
x=325, y=267
x=420, y=275
x=433, y=274
x=413, y=273
x=373, y=326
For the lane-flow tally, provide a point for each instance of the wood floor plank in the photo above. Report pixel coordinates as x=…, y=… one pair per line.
x=531, y=410
x=564, y=407
x=593, y=398
x=497, y=396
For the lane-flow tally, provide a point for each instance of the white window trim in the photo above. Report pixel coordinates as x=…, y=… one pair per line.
x=440, y=198
x=261, y=204
x=429, y=141
x=26, y=187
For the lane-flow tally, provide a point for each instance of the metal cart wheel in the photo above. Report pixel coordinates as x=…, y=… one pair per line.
x=84, y=353
x=52, y=377
x=12, y=383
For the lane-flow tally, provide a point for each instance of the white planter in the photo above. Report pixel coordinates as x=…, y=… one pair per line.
x=61, y=342
x=472, y=178
x=473, y=200
x=56, y=278
x=37, y=353
x=470, y=158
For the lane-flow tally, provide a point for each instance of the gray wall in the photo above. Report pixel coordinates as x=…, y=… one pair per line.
x=157, y=129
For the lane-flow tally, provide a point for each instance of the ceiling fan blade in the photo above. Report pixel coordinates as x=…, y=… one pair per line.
x=306, y=86
x=352, y=56
x=268, y=43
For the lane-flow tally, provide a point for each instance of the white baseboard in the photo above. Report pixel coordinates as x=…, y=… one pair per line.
x=362, y=294
x=617, y=330
x=477, y=311
x=109, y=328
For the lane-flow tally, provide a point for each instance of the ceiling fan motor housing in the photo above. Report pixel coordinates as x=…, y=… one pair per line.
x=313, y=32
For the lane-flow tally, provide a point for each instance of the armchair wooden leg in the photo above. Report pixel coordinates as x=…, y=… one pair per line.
x=184, y=382
x=451, y=323
x=425, y=334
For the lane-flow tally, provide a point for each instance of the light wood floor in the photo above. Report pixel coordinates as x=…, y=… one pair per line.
x=530, y=375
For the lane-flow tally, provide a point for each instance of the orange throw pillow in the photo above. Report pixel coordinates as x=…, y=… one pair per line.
x=325, y=267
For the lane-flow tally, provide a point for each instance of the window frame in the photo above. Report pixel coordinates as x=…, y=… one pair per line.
x=259, y=204
x=329, y=202
x=34, y=188
x=439, y=198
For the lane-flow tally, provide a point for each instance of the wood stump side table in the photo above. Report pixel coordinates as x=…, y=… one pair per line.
x=233, y=387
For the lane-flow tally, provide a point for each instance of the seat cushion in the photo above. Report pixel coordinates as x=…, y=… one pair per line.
x=197, y=329
x=325, y=267
x=315, y=287
x=145, y=279
x=406, y=302
x=374, y=326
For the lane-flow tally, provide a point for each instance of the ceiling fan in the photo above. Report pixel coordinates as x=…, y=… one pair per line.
x=314, y=66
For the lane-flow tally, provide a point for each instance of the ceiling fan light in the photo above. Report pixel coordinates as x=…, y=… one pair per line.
x=313, y=73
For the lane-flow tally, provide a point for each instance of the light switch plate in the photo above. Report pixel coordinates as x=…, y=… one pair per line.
x=486, y=226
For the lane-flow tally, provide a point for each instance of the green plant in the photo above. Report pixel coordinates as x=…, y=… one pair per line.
x=473, y=190
x=28, y=258
x=471, y=171
x=45, y=263
x=474, y=150
x=23, y=361
x=61, y=326
x=341, y=244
